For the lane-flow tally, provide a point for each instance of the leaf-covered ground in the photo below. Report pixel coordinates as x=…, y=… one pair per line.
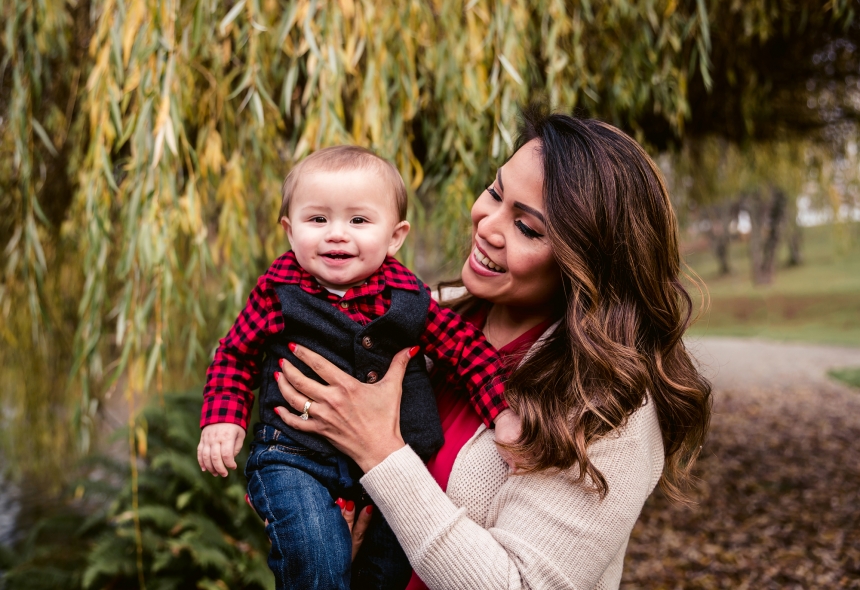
x=779, y=496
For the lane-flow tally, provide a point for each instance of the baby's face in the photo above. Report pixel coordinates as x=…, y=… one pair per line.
x=342, y=224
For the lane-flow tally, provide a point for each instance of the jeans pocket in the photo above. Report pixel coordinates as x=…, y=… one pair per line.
x=291, y=449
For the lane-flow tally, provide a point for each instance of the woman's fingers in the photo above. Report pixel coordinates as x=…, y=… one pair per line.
x=293, y=421
x=305, y=385
x=359, y=528
x=294, y=397
x=321, y=366
x=397, y=369
x=347, y=510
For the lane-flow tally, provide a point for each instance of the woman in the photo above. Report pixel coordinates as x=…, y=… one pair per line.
x=574, y=271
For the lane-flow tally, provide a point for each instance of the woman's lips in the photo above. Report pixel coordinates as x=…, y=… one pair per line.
x=482, y=264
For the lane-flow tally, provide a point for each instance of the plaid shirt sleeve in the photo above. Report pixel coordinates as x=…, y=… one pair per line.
x=471, y=364
x=235, y=371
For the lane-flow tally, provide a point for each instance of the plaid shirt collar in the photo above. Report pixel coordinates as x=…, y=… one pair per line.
x=287, y=270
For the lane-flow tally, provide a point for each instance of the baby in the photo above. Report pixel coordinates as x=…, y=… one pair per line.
x=340, y=293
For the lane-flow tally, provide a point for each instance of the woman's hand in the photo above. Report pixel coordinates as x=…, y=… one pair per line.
x=347, y=510
x=362, y=420
x=356, y=529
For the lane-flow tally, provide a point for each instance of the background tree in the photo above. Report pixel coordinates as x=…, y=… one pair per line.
x=144, y=144
x=783, y=73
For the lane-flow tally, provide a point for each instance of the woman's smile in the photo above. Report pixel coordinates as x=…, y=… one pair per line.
x=485, y=263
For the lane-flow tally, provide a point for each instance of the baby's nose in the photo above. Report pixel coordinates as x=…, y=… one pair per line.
x=337, y=232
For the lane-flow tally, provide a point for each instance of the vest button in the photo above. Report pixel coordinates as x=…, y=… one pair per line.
x=344, y=304
x=372, y=377
x=367, y=342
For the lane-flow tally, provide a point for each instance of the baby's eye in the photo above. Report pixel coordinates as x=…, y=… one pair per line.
x=317, y=219
x=357, y=220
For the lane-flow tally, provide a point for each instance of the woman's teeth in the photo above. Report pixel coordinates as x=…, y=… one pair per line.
x=487, y=262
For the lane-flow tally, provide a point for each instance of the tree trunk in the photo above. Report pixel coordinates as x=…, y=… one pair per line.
x=720, y=218
x=795, y=236
x=753, y=204
x=767, y=220
x=773, y=232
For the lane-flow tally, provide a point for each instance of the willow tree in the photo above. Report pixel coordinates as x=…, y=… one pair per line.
x=143, y=142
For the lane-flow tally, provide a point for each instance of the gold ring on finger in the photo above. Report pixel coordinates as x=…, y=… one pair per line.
x=304, y=415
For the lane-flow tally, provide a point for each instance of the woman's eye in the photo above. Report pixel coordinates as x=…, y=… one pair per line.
x=358, y=220
x=496, y=197
x=527, y=231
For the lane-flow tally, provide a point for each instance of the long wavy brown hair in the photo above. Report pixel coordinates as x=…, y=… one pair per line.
x=615, y=236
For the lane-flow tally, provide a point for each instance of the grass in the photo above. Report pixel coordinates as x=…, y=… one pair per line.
x=848, y=376
x=818, y=301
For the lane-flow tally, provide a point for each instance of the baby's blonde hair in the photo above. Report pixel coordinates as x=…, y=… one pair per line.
x=344, y=157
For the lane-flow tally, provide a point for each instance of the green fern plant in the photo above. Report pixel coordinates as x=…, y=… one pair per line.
x=195, y=530
x=180, y=529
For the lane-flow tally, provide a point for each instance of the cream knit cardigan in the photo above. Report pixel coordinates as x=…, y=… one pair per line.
x=497, y=530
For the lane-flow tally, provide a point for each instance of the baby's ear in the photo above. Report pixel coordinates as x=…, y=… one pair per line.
x=401, y=230
x=285, y=223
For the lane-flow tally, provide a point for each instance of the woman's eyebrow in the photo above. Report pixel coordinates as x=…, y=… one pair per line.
x=499, y=179
x=530, y=211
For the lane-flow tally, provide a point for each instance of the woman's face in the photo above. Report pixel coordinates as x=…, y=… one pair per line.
x=511, y=262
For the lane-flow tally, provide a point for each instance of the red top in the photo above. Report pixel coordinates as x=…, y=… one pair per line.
x=457, y=348
x=459, y=421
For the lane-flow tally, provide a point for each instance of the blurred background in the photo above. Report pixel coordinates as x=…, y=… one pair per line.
x=142, y=148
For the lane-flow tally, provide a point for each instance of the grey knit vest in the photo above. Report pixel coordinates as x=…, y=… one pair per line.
x=365, y=352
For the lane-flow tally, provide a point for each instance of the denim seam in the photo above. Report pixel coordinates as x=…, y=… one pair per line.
x=273, y=538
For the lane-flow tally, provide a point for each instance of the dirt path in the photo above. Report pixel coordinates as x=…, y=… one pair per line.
x=779, y=499
x=733, y=363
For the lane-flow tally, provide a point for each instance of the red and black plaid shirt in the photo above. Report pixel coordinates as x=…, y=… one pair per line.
x=456, y=348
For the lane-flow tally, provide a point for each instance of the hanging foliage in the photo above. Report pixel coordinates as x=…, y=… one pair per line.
x=143, y=143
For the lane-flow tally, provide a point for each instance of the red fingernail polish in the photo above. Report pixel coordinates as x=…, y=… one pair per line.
x=413, y=351
x=292, y=346
x=276, y=375
x=350, y=506
x=281, y=363
x=369, y=509
x=247, y=500
x=340, y=502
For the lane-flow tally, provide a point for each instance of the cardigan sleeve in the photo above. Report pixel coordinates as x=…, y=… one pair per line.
x=544, y=530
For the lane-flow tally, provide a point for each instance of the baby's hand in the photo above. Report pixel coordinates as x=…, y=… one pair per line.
x=219, y=445
x=508, y=430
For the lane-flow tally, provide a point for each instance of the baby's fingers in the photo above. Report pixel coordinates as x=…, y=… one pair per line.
x=217, y=462
x=200, y=456
x=237, y=442
x=209, y=460
x=228, y=455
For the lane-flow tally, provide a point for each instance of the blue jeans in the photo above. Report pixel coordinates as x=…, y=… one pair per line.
x=294, y=488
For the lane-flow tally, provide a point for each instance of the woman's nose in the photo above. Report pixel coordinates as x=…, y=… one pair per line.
x=490, y=231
